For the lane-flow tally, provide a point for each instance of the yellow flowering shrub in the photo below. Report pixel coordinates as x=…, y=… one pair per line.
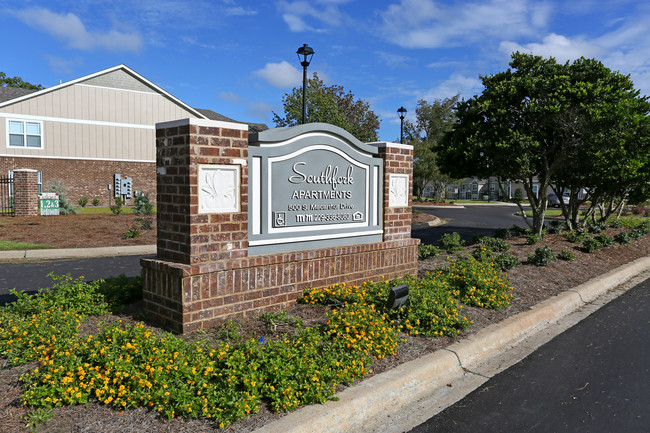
x=478, y=283
x=361, y=328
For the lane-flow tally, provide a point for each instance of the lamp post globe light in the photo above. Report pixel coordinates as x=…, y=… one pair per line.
x=305, y=53
x=402, y=114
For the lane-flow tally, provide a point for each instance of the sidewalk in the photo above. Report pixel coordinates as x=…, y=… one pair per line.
x=69, y=253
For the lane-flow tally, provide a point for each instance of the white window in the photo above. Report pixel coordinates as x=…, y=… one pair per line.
x=25, y=133
x=535, y=190
x=474, y=187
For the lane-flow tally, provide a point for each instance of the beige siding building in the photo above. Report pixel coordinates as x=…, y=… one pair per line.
x=84, y=131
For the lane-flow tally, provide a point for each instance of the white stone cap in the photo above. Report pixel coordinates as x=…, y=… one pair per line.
x=202, y=122
x=26, y=170
x=389, y=144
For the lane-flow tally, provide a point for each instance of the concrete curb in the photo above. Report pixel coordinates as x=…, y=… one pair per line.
x=435, y=222
x=67, y=253
x=412, y=381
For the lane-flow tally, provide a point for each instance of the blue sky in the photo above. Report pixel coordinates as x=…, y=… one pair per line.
x=238, y=57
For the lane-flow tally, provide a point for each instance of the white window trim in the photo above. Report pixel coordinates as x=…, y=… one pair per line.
x=24, y=122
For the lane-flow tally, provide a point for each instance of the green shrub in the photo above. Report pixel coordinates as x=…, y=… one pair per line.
x=142, y=204
x=576, y=236
x=623, y=238
x=41, y=325
x=431, y=310
x=616, y=223
x=483, y=254
x=96, y=201
x=591, y=245
x=515, y=230
x=425, y=251
x=451, y=242
x=605, y=240
x=476, y=239
x=144, y=223
x=342, y=293
x=506, y=261
x=478, y=284
x=533, y=239
x=495, y=244
x=126, y=366
x=637, y=233
x=362, y=328
x=542, y=256
x=65, y=207
x=566, y=255
x=120, y=291
x=502, y=233
x=117, y=207
x=83, y=201
x=132, y=233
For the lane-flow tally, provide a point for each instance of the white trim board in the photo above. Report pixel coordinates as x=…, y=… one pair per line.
x=76, y=121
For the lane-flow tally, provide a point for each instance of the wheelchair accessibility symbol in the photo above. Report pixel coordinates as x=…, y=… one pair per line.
x=279, y=219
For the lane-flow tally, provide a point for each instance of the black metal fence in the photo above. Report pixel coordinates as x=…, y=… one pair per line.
x=6, y=196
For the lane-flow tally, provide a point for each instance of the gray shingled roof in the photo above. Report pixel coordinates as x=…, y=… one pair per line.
x=213, y=115
x=9, y=93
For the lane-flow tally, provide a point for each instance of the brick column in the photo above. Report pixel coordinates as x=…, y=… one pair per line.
x=398, y=189
x=191, y=153
x=25, y=192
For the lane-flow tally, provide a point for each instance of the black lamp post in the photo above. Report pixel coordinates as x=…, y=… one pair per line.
x=402, y=113
x=307, y=53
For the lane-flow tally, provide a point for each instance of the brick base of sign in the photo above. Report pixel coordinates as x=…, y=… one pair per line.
x=185, y=298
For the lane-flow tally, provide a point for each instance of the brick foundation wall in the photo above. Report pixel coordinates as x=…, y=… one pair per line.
x=85, y=177
x=185, y=298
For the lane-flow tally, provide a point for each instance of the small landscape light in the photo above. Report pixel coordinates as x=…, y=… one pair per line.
x=397, y=298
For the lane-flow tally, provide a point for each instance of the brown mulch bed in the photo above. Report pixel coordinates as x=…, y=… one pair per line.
x=531, y=285
x=76, y=231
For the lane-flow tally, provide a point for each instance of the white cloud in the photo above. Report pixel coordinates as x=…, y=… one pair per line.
x=260, y=110
x=280, y=75
x=295, y=23
x=71, y=30
x=622, y=49
x=322, y=14
x=189, y=40
x=393, y=60
x=239, y=11
x=431, y=24
x=231, y=97
x=558, y=46
x=455, y=84
x=62, y=66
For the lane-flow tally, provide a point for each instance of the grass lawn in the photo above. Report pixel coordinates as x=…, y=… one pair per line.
x=9, y=245
x=98, y=210
x=549, y=212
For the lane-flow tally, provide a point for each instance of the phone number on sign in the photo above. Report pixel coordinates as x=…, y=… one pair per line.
x=316, y=218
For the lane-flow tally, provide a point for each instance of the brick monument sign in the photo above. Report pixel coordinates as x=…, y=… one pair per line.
x=245, y=224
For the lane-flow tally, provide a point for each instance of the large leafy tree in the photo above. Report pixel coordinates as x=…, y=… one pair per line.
x=544, y=123
x=329, y=104
x=17, y=82
x=433, y=120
